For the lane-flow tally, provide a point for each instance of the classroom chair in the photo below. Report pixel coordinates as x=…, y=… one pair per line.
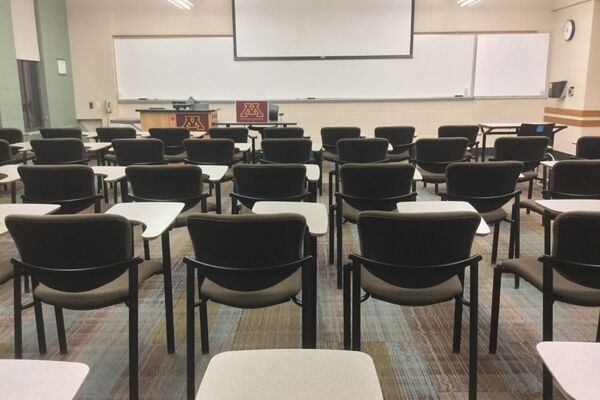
x=433, y=155
x=488, y=187
x=373, y=187
x=61, y=133
x=401, y=138
x=106, y=135
x=79, y=262
x=329, y=137
x=397, y=266
x=287, y=132
x=173, y=140
x=570, y=274
x=467, y=131
x=173, y=183
x=70, y=186
x=287, y=151
x=211, y=152
x=6, y=156
x=237, y=134
x=58, y=151
x=266, y=182
x=268, y=267
x=139, y=151
x=569, y=179
x=529, y=150
x=12, y=135
x=588, y=147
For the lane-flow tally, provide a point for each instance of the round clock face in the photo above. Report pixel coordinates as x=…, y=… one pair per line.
x=569, y=30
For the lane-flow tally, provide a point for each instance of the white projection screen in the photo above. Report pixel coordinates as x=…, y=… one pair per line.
x=321, y=29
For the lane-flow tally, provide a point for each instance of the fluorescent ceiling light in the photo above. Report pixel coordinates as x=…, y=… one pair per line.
x=467, y=3
x=182, y=4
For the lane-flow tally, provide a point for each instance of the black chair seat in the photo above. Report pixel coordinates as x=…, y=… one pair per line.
x=432, y=177
x=382, y=290
x=536, y=208
x=491, y=217
x=6, y=271
x=175, y=158
x=527, y=176
x=329, y=156
x=112, y=293
x=111, y=158
x=277, y=294
x=350, y=213
x=18, y=157
x=530, y=269
x=238, y=156
x=197, y=209
x=397, y=157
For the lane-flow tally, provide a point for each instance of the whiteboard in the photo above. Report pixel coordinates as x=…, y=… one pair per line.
x=511, y=64
x=203, y=67
x=323, y=29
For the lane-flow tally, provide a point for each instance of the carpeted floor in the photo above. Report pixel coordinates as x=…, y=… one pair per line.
x=411, y=346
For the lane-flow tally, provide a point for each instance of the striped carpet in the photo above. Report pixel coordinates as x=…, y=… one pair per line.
x=412, y=347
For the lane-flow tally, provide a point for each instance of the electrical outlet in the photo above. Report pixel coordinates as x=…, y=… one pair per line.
x=572, y=91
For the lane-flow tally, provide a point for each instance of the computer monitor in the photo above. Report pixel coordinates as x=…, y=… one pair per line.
x=557, y=89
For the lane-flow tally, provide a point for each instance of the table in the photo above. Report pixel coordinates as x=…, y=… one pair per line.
x=193, y=134
x=12, y=176
x=506, y=128
x=433, y=207
x=317, y=225
x=156, y=218
x=37, y=379
x=290, y=375
x=561, y=206
x=313, y=175
x=576, y=367
x=27, y=209
x=127, y=121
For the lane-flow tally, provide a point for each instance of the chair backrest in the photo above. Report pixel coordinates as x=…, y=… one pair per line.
x=287, y=151
x=58, y=151
x=588, y=147
x=209, y=151
x=261, y=241
x=172, y=138
x=546, y=130
x=487, y=186
x=106, y=135
x=416, y=241
x=5, y=152
x=139, y=151
x=179, y=183
x=435, y=154
x=11, y=135
x=376, y=186
x=575, y=178
x=467, y=131
x=287, y=132
x=238, y=135
x=331, y=135
x=61, y=133
x=276, y=182
x=70, y=186
x=530, y=150
x=273, y=112
x=362, y=150
x=68, y=249
x=398, y=136
x=576, y=242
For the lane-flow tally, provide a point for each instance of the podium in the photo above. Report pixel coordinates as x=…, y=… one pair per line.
x=194, y=120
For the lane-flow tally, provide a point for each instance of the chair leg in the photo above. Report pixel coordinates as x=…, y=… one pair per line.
x=356, y=308
x=347, y=310
x=339, y=231
x=458, y=309
x=495, y=310
x=547, y=324
x=331, y=188
x=146, y=250
x=495, y=242
x=133, y=334
x=39, y=325
x=530, y=190
x=168, y=287
x=17, y=315
x=331, y=233
x=60, y=328
x=473, y=330
x=598, y=331
x=437, y=189
x=26, y=282
x=204, y=327
x=190, y=339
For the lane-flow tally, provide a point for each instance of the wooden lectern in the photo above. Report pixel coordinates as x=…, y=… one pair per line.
x=194, y=120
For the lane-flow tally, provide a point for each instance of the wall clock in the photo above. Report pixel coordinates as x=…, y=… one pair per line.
x=569, y=30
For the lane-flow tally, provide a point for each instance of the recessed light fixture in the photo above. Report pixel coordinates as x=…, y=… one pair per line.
x=467, y=3
x=182, y=4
